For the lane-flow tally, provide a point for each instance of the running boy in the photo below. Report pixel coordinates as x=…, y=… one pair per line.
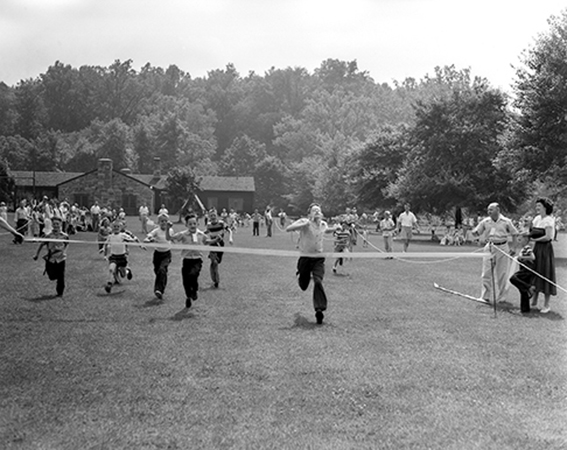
x=117, y=254
x=311, y=231
x=192, y=259
x=215, y=237
x=56, y=255
x=342, y=238
x=162, y=254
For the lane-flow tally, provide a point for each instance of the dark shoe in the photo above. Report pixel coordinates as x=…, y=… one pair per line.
x=319, y=316
x=158, y=294
x=128, y=274
x=187, y=303
x=108, y=287
x=216, y=285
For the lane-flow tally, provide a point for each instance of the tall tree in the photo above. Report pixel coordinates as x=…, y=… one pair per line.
x=454, y=145
x=541, y=98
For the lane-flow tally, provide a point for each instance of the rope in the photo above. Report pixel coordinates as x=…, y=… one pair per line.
x=531, y=270
x=452, y=258
x=272, y=252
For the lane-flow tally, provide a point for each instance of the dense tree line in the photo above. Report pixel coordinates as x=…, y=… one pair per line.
x=334, y=135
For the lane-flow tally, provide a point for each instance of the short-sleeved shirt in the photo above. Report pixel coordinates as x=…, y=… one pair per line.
x=544, y=222
x=187, y=238
x=57, y=251
x=158, y=236
x=311, y=236
x=117, y=243
x=496, y=231
x=407, y=219
x=342, y=238
x=387, y=226
x=216, y=230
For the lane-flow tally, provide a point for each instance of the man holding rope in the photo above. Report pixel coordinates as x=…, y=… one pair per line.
x=495, y=230
x=311, y=231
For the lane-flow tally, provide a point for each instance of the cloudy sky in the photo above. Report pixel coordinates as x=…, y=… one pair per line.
x=390, y=39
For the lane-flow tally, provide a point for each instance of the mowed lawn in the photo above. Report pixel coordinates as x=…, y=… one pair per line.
x=397, y=364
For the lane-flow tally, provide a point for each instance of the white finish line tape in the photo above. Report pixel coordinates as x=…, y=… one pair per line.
x=288, y=253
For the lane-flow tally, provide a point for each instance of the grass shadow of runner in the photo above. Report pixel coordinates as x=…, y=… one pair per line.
x=185, y=313
x=41, y=298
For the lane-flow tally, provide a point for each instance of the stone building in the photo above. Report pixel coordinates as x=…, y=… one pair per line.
x=122, y=189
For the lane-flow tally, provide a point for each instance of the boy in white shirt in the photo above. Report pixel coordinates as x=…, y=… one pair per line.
x=162, y=254
x=192, y=259
x=311, y=231
x=117, y=254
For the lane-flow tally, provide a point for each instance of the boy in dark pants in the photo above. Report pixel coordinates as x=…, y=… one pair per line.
x=215, y=238
x=311, y=231
x=56, y=255
x=523, y=278
x=192, y=259
x=162, y=253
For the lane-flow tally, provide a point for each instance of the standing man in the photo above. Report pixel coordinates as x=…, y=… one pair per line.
x=22, y=218
x=495, y=230
x=311, y=231
x=406, y=222
x=269, y=220
x=387, y=226
x=256, y=216
x=144, y=213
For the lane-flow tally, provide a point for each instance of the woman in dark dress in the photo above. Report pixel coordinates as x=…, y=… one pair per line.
x=543, y=251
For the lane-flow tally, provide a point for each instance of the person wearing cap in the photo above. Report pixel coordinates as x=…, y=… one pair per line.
x=387, y=226
x=311, y=231
x=56, y=254
x=495, y=230
x=162, y=253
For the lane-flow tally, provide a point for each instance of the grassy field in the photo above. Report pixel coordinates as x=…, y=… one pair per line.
x=397, y=364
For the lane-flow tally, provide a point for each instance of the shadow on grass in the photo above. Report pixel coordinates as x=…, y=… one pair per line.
x=533, y=314
x=41, y=298
x=185, y=313
x=151, y=303
x=304, y=323
x=110, y=294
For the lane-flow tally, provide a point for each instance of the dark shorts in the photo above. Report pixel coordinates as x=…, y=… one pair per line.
x=119, y=260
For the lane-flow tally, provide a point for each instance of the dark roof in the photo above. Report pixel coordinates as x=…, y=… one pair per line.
x=45, y=179
x=208, y=183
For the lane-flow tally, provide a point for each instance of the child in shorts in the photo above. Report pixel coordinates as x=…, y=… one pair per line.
x=117, y=254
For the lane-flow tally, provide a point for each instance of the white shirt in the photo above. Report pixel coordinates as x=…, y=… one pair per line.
x=311, y=236
x=407, y=219
x=157, y=235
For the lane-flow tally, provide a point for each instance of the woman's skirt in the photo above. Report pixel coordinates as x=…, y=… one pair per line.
x=545, y=266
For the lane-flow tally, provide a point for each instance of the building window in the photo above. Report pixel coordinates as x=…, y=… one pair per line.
x=236, y=203
x=83, y=200
x=130, y=204
x=212, y=202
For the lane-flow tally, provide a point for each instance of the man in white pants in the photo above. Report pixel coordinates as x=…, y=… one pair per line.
x=495, y=230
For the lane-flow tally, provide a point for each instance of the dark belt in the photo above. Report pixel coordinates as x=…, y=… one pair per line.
x=499, y=243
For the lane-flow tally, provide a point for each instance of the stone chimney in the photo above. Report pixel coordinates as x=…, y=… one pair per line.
x=104, y=174
x=157, y=167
